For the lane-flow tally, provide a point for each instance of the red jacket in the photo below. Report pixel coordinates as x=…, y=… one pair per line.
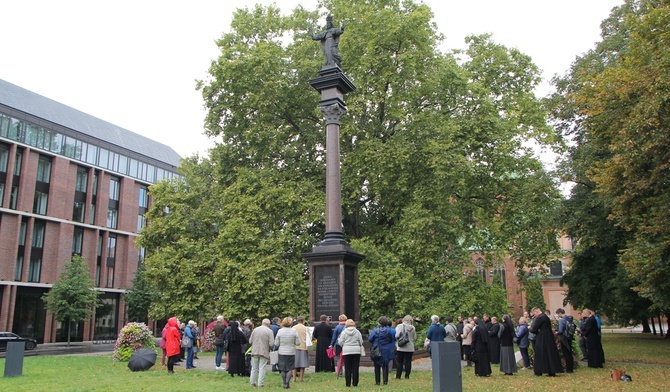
x=172, y=338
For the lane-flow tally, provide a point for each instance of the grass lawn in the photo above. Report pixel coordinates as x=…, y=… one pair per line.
x=100, y=373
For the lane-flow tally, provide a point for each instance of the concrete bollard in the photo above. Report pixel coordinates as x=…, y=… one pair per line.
x=14, y=359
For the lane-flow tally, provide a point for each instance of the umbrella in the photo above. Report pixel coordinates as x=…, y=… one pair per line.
x=339, y=365
x=142, y=359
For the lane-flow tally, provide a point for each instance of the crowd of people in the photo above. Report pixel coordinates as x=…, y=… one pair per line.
x=484, y=342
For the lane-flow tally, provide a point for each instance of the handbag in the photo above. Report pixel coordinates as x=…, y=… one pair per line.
x=330, y=352
x=274, y=357
x=375, y=353
x=308, y=339
x=404, y=338
x=186, y=342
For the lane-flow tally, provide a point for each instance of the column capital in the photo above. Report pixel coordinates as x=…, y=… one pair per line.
x=333, y=113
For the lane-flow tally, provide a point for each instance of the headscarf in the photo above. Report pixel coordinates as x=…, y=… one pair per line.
x=234, y=326
x=507, y=320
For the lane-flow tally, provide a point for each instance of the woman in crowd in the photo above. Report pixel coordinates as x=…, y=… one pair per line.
x=236, y=342
x=172, y=343
x=301, y=356
x=162, y=345
x=466, y=340
x=336, y=335
x=405, y=352
x=351, y=342
x=286, y=340
x=480, y=348
x=523, y=342
x=507, y=359
x=383, y=337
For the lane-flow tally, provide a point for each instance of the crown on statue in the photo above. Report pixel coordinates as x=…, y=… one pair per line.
x=329, y=18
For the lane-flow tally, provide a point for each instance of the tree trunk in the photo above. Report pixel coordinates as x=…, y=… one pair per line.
x=653, y=325
x=660, y=324
x=645, y=326
x=69, y=326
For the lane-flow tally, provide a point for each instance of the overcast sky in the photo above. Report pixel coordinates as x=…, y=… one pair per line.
x=134, y=62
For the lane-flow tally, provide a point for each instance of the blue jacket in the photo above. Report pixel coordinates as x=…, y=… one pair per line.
x=384, y=338
x=522, y=335
x=436, y=333
x=189, y=332
x=336, y=334
x=275, y=328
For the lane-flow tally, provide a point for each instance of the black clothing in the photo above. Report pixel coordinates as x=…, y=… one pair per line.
x=594, y=352
x=323, y=333
x=494, y=343
x=404, y=360
x=546, y=353
x=237, y=341
x=351, y=368
x=480, y=347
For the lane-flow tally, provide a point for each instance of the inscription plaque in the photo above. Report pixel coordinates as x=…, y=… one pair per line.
x=327, y=291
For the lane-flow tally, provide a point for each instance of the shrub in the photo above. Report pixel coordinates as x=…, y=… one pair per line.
x=132, y=337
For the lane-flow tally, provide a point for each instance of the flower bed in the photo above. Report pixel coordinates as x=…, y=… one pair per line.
x=132, y=337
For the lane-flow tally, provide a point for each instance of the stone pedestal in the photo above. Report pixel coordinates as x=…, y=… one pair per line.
x=333, y=281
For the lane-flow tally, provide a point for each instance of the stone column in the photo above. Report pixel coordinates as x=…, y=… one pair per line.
x=333, y=265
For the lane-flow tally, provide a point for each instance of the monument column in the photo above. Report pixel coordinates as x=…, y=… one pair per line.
x=333, y=264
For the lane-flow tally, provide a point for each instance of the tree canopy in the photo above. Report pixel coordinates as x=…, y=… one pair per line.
x=435, y=154
x=615, y=105
x=73, y=296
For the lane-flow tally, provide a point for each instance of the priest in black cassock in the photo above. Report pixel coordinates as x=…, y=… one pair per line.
x=591, y=332
x=546, y=352
x=323, y=333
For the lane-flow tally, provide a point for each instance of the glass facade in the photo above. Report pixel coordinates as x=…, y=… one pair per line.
x=80, y=150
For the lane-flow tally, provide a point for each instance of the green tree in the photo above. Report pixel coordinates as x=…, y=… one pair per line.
x=73, y=296
x=534, y=294
x=139, y=297
x=434, y=158
x=614, y=104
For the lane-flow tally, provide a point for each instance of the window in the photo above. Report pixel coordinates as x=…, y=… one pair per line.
x=98, y=265
x=95, y=183
x=35, y=265
x=112, y=218
x=92, y=218
x=18, y=160
x=111, y=259
x=499, y=272
x=81, y=182
x=4, y=158
x=40, y=203
x=141, y=222
x=34, y=268
x=144, y=198
x=13, y=197
x=43, y=169
x=2, y=193
x=141, y=255
x=479, y=264
x=15, y=131
x=18, y=270
x=78, y=211
x=114, y=187
x=77, y=240
x=79, y=206
x=556, y=269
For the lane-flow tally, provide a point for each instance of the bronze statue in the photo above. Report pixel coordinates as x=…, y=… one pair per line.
x=330, y=39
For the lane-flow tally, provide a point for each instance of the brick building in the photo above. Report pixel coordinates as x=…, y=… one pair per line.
x=70, y=183
x=554, y=293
